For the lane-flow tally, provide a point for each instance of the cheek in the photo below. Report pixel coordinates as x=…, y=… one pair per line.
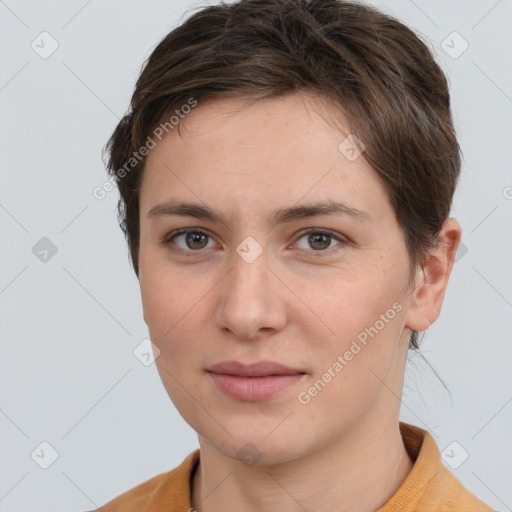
x=353, y=367
x=164, y=313
x=175, y=310
x=163, y=291
x=366, y=316
x=346, y=306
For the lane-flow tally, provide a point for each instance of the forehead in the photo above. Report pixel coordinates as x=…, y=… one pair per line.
x=263, y=123
x=234, y=149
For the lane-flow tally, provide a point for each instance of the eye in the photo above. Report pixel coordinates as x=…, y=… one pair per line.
x=193, y=240
x=320, y=240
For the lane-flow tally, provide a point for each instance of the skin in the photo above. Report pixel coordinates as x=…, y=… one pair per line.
x=290, y=305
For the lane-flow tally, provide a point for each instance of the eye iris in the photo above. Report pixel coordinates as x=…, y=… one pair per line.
x=192, y=238
x=317, y=239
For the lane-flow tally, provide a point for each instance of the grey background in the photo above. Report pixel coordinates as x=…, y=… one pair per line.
x=70, y=324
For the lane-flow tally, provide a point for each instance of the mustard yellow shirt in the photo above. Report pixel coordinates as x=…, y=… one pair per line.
x=429, y=487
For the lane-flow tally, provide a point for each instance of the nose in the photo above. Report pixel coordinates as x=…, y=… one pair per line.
x=252, y=299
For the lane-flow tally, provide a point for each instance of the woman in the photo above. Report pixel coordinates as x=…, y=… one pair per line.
x=286, y=174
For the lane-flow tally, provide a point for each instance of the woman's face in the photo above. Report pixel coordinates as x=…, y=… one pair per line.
x=251, y=285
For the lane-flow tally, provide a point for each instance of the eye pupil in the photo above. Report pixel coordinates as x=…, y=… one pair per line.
x=317, y=239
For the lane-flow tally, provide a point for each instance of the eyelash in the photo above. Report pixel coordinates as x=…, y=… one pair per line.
x=320, y=253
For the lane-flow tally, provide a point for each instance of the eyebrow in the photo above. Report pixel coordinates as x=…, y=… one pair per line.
x=280, y=216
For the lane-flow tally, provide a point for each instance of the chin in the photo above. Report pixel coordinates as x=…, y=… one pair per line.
x=262, y=446
x=259, y=453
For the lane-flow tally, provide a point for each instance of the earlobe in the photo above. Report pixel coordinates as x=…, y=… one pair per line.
x=432, y=279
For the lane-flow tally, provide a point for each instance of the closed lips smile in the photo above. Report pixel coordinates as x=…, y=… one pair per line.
x=252, y=382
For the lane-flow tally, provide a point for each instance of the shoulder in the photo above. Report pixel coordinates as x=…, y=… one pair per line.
x=430, y=486
x=169, y=489
x=446, y=492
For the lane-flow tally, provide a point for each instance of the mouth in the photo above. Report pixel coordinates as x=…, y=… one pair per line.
x=257, y=381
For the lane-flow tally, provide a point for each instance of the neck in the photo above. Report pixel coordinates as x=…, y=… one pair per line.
x=359, y=472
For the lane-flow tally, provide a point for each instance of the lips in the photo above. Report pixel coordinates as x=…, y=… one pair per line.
x=257, y=381
x=261, y=369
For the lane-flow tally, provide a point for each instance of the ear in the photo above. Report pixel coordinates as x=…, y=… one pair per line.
x=431, y=280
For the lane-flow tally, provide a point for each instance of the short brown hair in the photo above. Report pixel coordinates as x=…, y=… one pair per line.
x=373, y=69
